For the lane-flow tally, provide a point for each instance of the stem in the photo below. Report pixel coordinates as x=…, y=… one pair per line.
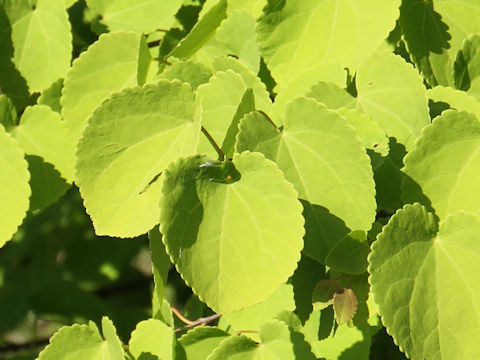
x=221, y=155
x=246, y=331
x=181, y=317
x=164, y=61
x=201, y=321
x=269, y=120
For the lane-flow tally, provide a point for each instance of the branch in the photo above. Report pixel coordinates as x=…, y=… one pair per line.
x=200, y=321
x=219, y=151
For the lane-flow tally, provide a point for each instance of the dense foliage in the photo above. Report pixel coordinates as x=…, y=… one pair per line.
x=302, y=175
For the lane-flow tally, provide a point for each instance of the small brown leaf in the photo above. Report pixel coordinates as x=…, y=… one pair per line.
x=345, y=305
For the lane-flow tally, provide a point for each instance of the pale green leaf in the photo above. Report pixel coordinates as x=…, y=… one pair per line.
x=81, y=342
x=444, y=164
x=347, y=343
x=331, y=95
x=14, y=189
x=278, y=342
x=466, y=68
x=152, y=337
x=140, y=16
x=262, y=98
x=302, y=83
x=199, y=342
x=42, y=133
x=51, y=96
x=201, y=33
x=213, y=234
x=144, y=73
x=424, y=278
x=128, y=142
x=42, y=43
x=187, y=71
x=321, y=155
x=302, y=34
x=50, y=154
x=235, y=36
x=461, y=18
x=218, y=101
x=254, y=7
x=398, y=101
x=456, y=99
x=254, y=316
x=108, y=65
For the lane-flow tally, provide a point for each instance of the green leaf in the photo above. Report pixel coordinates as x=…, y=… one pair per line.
x=51, y=96
x=247, y=104
x=331, y=95
x=187, y=71
x=346, y=343
x=345, y=305
x=349, y=255
x=305, y=33
x=323, y=293
x=398, y=101
x=50, y=154
x=302, y=83
x=203, y=30
x=460, y=17
x=42, y=43
x=235, y=36
x=110, y=64
x=80, y=342
x=8, y=113
x=199, y=342
x=128, y=142
x=140, y=16
x=144, y=62
x=424, y=278
x=254, y=316
x=42, y=133
x=444, y=165
x=321, y=155
x=466, y=68
x=213, y=233
x=152, y=337
x=14, y=189
x=217, y=103
x=277, y=342
x=456, y=99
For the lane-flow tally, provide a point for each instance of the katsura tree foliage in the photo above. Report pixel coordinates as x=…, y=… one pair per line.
x=299, y=178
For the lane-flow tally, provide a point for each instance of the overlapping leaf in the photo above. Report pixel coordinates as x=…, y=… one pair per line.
x=455, y=99
x=295, y=36
x=198, y=343
x=14, y=189
x=321, y=155
x=466, y=68
x=277, y=342
x=141, y=16
x=397, y=101
x=424, y=278
x=222, y=235
x=42, y=41
x=80, y=342
x=129, y=141
x=152, y=337
x=444, y=165
x=108, y=65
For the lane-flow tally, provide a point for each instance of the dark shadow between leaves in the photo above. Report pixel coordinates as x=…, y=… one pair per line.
x=436, y=108
x=308, y=273
x=45, y=181
x=147, y=356
x=322, y=231
x=423, y=28
x=412, y=192
x=460, y=71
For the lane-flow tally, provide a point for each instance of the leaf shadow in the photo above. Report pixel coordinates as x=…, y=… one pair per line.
x=322, y=231
x=147, y=356
x=423, y=28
